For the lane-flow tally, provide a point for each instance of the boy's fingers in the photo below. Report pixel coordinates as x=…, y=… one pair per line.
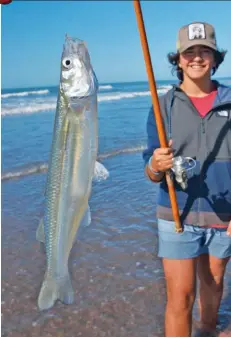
x=168, y=164
x=165, y=151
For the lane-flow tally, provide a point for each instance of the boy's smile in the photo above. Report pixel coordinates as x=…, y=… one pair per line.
x=197, y=61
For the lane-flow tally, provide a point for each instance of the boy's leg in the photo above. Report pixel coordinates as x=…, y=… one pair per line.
x=179, y=253
x=211, y=272
x=181, y=287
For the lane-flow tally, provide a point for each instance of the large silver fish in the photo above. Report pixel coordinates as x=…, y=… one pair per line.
x=71, y=169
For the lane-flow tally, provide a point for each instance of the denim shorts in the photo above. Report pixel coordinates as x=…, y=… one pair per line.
x=192, y=242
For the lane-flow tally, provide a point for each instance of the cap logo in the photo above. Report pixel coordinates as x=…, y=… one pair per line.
x=223, y=113
x=196, y=31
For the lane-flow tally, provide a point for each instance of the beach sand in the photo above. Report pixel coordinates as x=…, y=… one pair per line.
x=119, y=291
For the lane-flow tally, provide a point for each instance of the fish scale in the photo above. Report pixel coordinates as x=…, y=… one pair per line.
x=71, y=168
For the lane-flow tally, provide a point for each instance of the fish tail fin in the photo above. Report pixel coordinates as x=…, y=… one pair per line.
x=54, y=289
x=66, y=292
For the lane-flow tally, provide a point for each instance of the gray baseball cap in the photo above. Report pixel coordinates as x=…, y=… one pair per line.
x=196, y=33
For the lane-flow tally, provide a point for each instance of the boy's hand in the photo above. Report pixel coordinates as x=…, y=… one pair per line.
x=162, y=158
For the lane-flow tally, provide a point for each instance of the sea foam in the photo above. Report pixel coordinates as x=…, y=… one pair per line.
x=33, y=106
x=33, y=92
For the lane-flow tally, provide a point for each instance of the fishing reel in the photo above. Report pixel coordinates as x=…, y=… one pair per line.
x=183, y=168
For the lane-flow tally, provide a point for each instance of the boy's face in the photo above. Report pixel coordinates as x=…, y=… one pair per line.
x=197, y=62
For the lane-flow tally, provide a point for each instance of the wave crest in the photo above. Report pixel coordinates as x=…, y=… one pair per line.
x=43, y=167
x=29, y=109
x=120, y=96
x=33, y=92
x=21, y=172
x=105, y=87
x=35, y=107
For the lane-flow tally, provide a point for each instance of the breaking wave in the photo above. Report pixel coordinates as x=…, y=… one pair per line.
x=130, y=95
x=164, y=89
x=121, y=151
x=50, y=105
x=34, y=108
x=120, y=96
x=105, y=87
x=21, y=172
x=33, y=92
x=38, y=168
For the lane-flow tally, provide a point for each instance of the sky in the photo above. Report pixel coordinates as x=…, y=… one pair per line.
x=33, y=32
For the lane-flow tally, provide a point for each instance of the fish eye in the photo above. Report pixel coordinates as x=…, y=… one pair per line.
x=67, y=63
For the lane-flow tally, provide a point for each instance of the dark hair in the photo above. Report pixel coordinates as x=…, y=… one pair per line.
x=174, y=58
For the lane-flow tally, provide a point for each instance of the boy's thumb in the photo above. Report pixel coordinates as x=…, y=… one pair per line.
x=170, y=143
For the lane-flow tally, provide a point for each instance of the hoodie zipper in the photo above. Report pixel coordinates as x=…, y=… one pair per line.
x=200, y=179
x=203, y=125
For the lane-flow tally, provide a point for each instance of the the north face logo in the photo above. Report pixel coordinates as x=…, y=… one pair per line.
x=223, y=113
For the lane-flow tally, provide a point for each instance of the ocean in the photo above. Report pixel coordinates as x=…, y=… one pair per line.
x=116, y=274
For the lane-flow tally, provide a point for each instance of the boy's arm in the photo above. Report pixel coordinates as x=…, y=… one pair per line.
x=152, y=144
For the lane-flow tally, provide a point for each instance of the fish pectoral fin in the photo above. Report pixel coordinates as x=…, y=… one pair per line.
x=86, y=220
x=40, y=235
x=54, y=289
x=100, y=172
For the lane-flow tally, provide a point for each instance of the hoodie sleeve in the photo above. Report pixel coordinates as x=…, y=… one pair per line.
x=152, y=137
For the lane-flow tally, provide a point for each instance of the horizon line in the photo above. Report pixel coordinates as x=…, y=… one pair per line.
x=106, y=83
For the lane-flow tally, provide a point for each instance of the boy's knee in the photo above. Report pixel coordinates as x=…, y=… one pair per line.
x=181, y=301
x=214, y=283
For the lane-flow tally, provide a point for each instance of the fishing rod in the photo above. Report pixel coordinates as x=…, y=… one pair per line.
x=156, y=110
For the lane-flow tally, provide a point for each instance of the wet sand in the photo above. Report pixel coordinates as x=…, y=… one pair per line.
x=119, y=290
x=117, y=277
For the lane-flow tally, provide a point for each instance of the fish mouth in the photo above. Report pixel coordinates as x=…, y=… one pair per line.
x=78, y=77
x=74, y=48
x=71, y=45
x=68, y=39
